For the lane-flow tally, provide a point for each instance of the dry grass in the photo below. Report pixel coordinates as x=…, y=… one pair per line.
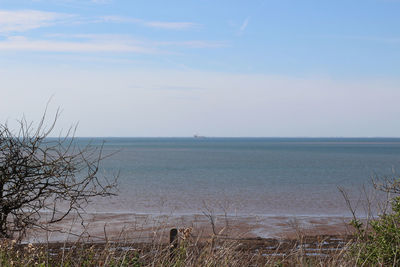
x=191, y=251
x=144, y=247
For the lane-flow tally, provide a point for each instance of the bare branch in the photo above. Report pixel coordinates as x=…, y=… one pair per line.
x=42, y=174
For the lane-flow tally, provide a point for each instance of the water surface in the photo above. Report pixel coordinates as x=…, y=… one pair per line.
x=243, y=176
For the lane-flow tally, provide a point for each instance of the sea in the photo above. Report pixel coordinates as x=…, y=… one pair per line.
x=243, y=176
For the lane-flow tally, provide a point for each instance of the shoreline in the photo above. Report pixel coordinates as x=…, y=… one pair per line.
x=141, y=227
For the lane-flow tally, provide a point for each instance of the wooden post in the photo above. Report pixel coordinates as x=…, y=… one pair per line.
x=173, y=241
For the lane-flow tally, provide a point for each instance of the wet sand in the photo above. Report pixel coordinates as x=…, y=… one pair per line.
x=99, y=227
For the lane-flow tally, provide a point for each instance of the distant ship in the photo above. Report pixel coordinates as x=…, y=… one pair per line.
x=198, y=136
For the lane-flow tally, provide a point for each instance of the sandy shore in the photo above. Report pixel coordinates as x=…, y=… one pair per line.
x=146, y=227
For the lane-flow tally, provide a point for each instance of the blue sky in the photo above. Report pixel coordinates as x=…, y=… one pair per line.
x=216, y=68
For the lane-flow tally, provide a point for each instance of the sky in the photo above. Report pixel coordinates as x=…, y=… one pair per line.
x=227, y=68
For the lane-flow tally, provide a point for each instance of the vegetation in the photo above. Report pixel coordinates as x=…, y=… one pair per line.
x=377, y=242
x=215, y=251
x=381, y=243
x=41, y=175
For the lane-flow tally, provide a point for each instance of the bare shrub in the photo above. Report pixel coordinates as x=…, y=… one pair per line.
x=43, y=175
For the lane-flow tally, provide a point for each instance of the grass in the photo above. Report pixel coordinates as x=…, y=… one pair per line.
x=375, y=243
x=191, y=251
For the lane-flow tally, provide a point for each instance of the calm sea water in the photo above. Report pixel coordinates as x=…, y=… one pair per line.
x=243, y=176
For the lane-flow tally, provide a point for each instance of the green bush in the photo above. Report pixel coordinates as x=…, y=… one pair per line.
x=380, y=244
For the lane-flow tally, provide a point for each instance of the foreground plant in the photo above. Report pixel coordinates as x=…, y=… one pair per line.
x=380, y=243
x=41, y=175
x=189, y=251
x=377, y=241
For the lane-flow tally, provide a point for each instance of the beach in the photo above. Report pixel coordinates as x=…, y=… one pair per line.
x=133, y=228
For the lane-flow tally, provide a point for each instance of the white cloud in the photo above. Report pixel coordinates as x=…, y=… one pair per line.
x=152, y=24
x=244, y=25
x=14, y=22
x=93, y=43
x=19, y=43
x=195, y=44
x=118, y=19
x=170, y=25
x=24, y=20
